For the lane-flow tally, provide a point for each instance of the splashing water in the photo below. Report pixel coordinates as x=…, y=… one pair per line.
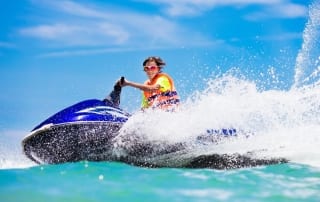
x=284, y=123
x=10, y=150
x=308, y=60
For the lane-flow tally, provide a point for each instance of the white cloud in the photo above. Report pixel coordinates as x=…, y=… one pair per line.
x=107, y=27
x=291, y=10
x=49, y=31
x=72, y=34
x=90, y=25
x=279, y=11
x=282, y=8
x=72, y=8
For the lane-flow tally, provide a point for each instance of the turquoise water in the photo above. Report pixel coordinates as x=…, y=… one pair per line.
x=107, y=181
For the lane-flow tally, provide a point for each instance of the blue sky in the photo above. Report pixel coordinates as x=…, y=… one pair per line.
x=54, y=53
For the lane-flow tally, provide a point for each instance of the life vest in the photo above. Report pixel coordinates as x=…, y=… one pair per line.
x=160, y=98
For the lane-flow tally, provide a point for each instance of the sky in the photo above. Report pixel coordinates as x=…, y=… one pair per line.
x=54, y=53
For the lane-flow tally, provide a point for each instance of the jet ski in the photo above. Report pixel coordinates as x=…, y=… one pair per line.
x=82, y=131
x=86, y=130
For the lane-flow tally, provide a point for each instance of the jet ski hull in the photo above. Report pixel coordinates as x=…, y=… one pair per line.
x=70, y=142
x=94, y=141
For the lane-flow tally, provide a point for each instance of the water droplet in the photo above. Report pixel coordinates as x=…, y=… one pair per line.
x=100, y=177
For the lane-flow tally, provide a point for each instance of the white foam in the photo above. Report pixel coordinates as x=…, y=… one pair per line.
x=284, y=123
x=11, y=155
x=307, y=68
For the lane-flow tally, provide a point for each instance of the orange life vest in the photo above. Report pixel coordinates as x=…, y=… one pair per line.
x=161, y=99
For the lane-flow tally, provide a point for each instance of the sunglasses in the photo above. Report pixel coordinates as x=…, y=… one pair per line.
x=148, y=68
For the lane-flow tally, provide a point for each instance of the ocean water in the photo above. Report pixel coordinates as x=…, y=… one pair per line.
x=285, y=124
x=107, y=181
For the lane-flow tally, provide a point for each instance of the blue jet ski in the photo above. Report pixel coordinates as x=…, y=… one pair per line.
x=84, y=131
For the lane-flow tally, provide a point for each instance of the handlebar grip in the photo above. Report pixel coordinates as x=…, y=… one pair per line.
x=122, y=80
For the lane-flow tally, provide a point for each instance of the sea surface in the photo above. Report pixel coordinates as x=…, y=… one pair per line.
x=274, y=123
x=109, y=181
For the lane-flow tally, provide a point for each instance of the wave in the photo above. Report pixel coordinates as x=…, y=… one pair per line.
x=272, y=123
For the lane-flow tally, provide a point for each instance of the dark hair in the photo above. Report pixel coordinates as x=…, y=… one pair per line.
x=157, y=60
